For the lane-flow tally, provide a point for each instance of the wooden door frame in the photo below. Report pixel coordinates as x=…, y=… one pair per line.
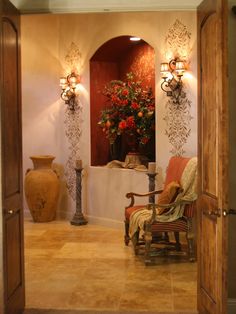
x=1, y=216
x=12, y=277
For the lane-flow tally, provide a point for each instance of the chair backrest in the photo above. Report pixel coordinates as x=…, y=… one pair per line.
x=174, y=172
x=175, y=169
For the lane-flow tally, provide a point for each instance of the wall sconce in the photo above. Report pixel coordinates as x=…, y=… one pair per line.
x=68, y=85
x=172, y=73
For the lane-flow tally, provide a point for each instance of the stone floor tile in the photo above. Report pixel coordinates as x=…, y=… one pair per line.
x=89, y=267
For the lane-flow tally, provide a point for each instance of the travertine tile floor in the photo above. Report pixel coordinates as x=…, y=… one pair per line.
x=89, y=267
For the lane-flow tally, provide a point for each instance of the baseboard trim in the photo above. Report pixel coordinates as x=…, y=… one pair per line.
x=231, y=306
x=27, y=214
x=106, y=222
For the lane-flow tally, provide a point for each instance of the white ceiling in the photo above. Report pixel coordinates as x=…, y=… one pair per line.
x=75, y=6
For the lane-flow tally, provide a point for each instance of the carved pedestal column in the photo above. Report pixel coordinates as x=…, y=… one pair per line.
x=78, y=218
x=151, y=178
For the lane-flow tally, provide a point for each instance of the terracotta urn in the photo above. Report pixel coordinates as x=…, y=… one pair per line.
x=42, y=189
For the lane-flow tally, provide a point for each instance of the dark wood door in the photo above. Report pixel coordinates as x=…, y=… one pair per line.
x=11, y=161
x=213, y=157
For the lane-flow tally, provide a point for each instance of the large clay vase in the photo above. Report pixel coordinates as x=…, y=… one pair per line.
x=42, y=189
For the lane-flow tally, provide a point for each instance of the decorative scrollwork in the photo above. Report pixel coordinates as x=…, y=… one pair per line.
x=73, y=122
x=178, y=40
x=178, y=117
x=178, y=120
x=73, y=59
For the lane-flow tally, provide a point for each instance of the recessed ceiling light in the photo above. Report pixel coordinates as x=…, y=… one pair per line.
x=135, y=38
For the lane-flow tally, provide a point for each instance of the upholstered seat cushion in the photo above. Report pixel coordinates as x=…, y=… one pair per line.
x=130, y=210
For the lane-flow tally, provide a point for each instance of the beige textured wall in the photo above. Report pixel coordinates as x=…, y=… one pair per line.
x=42, y=109
x=45, y=43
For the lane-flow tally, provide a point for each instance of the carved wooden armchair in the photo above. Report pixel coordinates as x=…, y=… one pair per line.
x=156, y=220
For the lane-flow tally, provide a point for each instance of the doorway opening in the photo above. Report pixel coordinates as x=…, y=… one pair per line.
x=98, y=255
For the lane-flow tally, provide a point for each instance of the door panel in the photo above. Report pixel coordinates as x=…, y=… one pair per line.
x=213, y=157
x=209, y=197
x=209, y=114
x=13, y=254
x=11, y=161
x=11, y=152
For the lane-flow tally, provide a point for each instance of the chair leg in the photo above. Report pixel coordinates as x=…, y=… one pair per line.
x=190, y=247
x=148, y=241
x=135, y=242
x=177, y=243
x=126, y=236
x=166, y=237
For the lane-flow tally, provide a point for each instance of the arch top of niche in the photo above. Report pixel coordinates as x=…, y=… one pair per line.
x=124, y=42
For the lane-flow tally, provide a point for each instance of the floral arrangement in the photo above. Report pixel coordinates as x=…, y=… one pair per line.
x=130, y=110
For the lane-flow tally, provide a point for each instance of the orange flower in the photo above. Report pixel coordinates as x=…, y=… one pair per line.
x=108, y=124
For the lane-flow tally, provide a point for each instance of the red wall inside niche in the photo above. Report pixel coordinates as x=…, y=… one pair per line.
x=138, y=59
x=100, y=73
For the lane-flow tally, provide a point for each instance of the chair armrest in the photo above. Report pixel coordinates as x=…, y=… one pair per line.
x=132, y=195
x=173, y=204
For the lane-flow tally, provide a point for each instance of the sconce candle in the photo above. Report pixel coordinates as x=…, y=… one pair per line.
x=179, y=68
x=164, y=70
x=63, y=81
x=78, y=164
x=68, y=85
x=151, y=167
x=172, y=73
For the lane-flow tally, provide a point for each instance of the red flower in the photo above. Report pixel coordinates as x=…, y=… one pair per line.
x=124, y=102
x=130, y=122
x=125, y=92
x=122, y=125
x=151, y=108
x=134, y=105
x=144, y=140
x=113, y=98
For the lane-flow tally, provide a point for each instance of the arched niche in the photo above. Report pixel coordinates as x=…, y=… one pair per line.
x=112, y=61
